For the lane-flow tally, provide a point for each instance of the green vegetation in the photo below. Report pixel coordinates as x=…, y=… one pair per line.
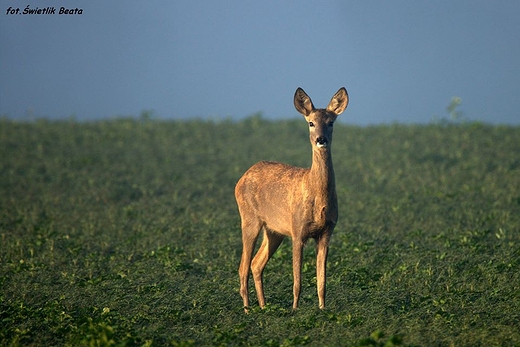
x=125, y=233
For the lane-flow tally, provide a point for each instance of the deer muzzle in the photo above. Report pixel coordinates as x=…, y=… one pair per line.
x=322, y=142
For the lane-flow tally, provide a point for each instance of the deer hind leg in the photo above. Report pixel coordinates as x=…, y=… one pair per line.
x=250, y=232
x=269, y=245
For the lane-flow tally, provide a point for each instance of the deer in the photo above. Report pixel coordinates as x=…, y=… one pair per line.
x=287, y=201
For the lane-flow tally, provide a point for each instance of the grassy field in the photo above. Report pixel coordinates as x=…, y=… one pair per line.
x=126, y=233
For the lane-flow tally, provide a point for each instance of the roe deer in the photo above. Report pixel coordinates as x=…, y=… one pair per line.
x=284, y=200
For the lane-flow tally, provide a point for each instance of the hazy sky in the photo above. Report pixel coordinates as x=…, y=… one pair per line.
x=399, y=60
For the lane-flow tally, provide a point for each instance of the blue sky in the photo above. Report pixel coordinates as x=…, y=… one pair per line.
x=401, y=61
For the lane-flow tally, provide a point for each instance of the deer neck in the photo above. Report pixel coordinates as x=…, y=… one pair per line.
x=321, y=173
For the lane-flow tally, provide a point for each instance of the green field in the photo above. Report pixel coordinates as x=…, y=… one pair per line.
x=126, y=233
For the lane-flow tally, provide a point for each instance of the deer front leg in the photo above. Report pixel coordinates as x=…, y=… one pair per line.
x=297, y=271
x=322, y=249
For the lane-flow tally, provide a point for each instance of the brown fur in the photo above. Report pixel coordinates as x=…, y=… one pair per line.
x=284, y=200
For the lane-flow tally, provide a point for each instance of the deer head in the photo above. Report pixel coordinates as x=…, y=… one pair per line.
x=320, y=121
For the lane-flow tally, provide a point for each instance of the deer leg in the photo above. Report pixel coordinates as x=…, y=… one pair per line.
x=249, y=235
x=269, y=245
x=297, y=270
x=322, y=249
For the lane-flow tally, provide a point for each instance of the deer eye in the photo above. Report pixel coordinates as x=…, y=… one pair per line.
x=331, y=124
x=311, y=124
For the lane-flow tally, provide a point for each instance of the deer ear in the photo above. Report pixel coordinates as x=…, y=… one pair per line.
x=302, y=102
x=339, y=101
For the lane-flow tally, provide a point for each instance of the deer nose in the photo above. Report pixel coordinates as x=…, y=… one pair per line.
x=321, y=141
